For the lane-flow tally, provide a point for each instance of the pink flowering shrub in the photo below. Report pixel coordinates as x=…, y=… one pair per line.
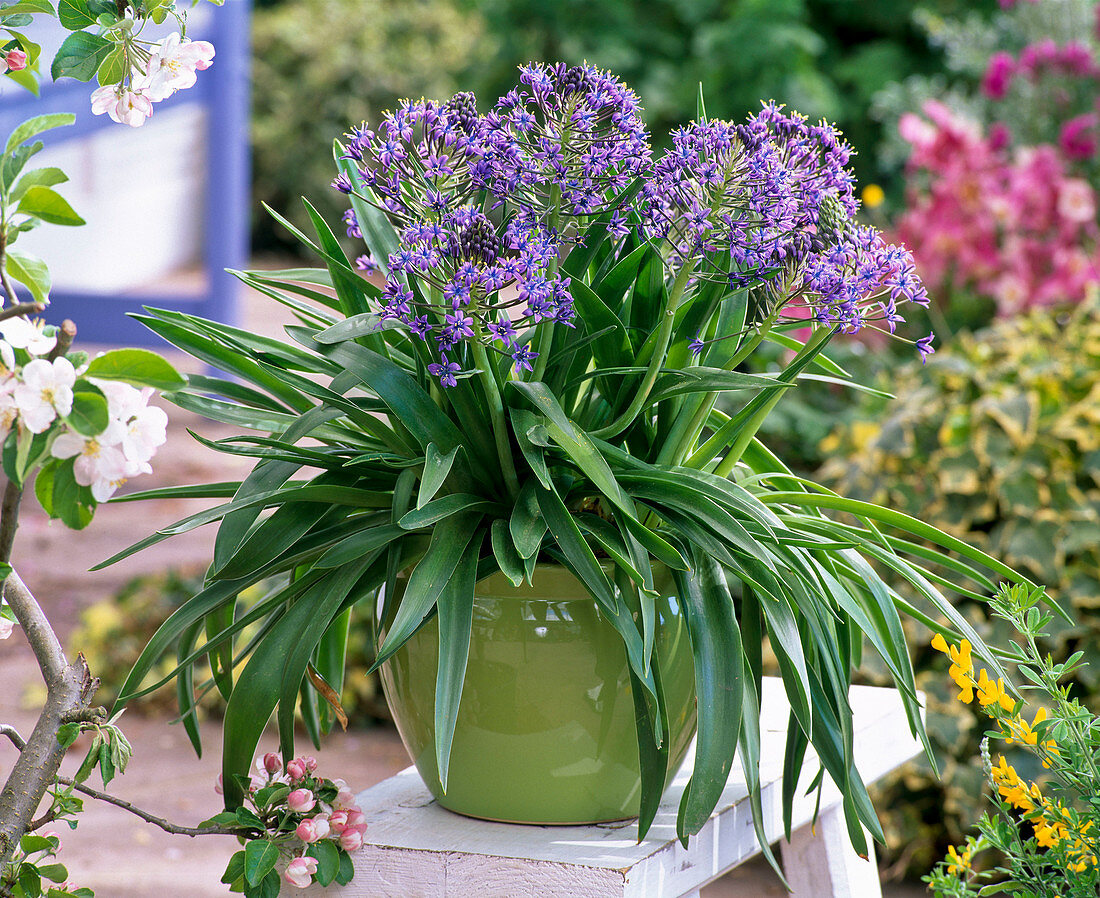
x=999, y=195
x=1012, y=223
x=299, y=821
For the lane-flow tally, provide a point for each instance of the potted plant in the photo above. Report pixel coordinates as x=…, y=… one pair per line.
x=539, y=403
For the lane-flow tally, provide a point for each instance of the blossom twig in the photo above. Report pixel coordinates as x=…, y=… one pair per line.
x=20, y=309
x=13, y=734
x=150, y=818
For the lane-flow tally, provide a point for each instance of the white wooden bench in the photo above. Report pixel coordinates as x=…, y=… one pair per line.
x=416, y=849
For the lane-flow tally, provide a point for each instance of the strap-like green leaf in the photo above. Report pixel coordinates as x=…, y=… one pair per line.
x=324, y=602
x=437, y=465
x=719, y=688
x=456, y=608
x=504, y=550
x=442, y=508
x=579, y=558
x=428, y=580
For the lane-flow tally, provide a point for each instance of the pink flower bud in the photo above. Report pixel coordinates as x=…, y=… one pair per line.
x=299, y=872
x=296, y=770
x=218, y=787
x=345, y=798
x=313, y=829
x=338, y=821
x=16, y=60
x=272, y=762
x=301, y=801
x=311, y=763
x=356, y=818
x=351, y=839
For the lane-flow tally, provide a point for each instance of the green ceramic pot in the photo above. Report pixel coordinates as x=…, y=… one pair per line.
x=545, y=730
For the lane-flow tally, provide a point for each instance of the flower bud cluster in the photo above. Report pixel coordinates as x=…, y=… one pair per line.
x=308, y=809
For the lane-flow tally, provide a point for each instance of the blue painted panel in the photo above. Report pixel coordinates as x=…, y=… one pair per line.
x=223, y=91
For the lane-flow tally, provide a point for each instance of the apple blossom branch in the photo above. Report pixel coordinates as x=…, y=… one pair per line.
x=167, y=826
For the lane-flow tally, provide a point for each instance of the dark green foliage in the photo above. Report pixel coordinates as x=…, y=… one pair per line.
x=322, y=66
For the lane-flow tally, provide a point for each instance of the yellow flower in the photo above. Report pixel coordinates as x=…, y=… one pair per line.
x=1021, y=731
x=1013, y=789
x=993, y=693
x=960, y=863
x=873, y=196
x=962, y=665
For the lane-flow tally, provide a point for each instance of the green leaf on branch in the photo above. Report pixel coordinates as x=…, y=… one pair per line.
x=32, y=7
x=260, y=856
x=25, y=79
x=75, y=14
x=39, y=177
x=114, y=68
x=71, y=502
x=347, y=869
x=328, y=860
x=67, y=734
x=43, y=489
x=234, y=870
x=31, y=843
x=246, y=817
x=80, y=56
x=31, y=272
x=53, y=872
x=14, y=162
x=136, y=366
x=32, y=127
x=29, y=880
x=32, y=49
x=89, y=414
x=49, y=205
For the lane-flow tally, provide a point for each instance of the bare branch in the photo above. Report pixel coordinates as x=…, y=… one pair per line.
x=65, y=336
x=150, y=818
x=13, y=734
x=69, y=691
x=20, y=309
x=48, y=817
x=9, y=519
x=44, y=642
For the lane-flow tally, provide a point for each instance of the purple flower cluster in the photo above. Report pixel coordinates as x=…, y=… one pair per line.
x=459, y=266
x=754, y=191
x=569, y=133
x=417, y=163
x=768, y=204
x=861, y=278
x=484, y=205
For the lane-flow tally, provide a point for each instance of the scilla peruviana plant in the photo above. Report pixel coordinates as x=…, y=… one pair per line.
x=548, y=371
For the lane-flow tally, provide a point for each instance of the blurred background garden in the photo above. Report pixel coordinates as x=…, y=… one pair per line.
x=977, y=127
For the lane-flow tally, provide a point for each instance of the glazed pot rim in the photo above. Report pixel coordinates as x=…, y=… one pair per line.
x=557, y=583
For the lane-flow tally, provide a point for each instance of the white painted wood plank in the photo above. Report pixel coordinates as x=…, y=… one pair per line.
x=409, y=835
x=823, y=862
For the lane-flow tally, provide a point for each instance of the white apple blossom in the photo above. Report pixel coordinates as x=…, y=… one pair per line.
x=104, y=468
x=123, y=105
x=6, y=626
x=136, y=427
x=23, y=334
x=9, y=411
x=172, y=66
x=45, y=393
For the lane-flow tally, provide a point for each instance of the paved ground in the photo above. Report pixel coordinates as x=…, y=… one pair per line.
x=112, y=852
